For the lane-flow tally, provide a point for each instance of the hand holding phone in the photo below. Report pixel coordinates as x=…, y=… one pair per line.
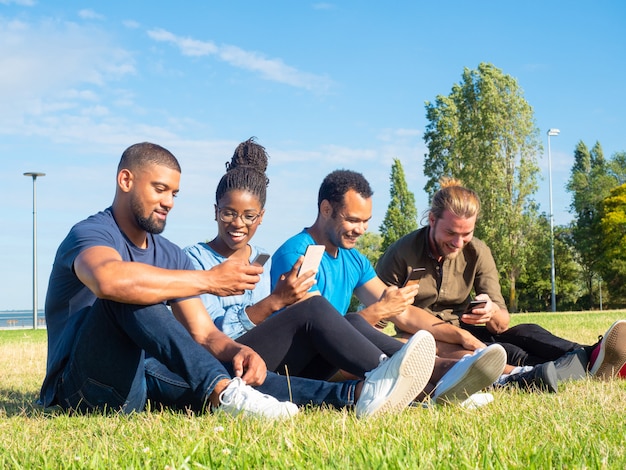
x=413, y=276
x=312, y=258
x=474, y=304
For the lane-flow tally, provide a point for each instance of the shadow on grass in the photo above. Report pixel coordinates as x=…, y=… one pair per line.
x=19, y=403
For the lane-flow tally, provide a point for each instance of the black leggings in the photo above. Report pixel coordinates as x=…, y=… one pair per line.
x=311, y=339
x=526, y=344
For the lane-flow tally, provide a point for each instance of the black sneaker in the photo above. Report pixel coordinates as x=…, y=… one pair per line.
x=572, y=366
x=542, y=378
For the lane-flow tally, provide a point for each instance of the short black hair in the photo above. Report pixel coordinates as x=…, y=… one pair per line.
x=246, y=171
x=138, y=156
x=338, y=183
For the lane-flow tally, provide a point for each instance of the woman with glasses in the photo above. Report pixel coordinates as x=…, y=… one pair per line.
x=306, y=338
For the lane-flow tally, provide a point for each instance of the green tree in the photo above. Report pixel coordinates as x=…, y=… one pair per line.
x=612, y=266
x=484, y=134
x=401, y=216
x=590, y=183
x=617, y=167
x=370, y=245
x=534, y=285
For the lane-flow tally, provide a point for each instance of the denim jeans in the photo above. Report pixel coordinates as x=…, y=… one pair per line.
x=107, y=367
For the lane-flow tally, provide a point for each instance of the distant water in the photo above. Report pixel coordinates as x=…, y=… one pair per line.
x=21, y=319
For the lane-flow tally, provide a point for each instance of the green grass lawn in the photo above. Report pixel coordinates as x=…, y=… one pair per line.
x=582, y=426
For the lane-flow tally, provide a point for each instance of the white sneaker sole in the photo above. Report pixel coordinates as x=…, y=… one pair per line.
x=413, y=375
x=483, y=372
x=612, y=355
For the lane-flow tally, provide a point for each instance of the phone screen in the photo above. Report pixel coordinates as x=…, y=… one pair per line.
x=312, y=258
x=261, y=259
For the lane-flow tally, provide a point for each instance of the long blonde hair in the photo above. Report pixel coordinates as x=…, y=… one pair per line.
x=456, y=198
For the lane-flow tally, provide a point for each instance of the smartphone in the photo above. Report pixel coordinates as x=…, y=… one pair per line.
x=312, y=258
x=413, y=276
x=475, y=304
x=261, y=259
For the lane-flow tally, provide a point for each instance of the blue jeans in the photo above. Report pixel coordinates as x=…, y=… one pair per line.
x=107, y=369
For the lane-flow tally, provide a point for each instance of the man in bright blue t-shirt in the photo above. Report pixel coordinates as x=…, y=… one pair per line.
x=344, y=210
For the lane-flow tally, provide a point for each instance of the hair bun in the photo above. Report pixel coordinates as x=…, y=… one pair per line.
x=249, y=154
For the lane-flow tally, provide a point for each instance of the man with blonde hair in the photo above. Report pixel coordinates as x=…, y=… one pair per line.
x=456, y=264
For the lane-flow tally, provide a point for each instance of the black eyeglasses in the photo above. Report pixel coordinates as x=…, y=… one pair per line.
x=227, y=216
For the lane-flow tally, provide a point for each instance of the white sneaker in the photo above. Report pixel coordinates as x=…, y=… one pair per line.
x=612, y=352
x=476, y=400
x=398, y=379
x=239, y=398
x=470, y=375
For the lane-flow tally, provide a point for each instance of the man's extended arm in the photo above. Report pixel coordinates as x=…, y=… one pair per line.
x=104, y=272
x=395, y=304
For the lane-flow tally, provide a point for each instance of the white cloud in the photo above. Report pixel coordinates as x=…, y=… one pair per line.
x=131, y=24
x=323, y=6
x=23, y=3
x=270, y=69
x=87, y=14
x=51, y=69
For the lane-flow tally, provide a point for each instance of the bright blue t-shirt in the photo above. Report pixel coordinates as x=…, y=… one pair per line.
x=336, y=277
x=68, y=300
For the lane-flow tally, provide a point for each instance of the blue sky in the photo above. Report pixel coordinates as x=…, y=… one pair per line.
x=321, y=85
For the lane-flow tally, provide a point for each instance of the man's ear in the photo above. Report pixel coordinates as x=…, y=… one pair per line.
x=125, y=180
x=431, y=219
x=326, y=209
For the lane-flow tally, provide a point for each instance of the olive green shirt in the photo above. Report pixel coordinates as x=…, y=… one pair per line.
x=446, y=288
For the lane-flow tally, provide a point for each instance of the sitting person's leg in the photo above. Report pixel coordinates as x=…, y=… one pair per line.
x=312, y=340
x=387, y=344
x=540, y=344
x=106, y=366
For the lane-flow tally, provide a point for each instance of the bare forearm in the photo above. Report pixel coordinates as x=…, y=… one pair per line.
x=142, y=284
x=499, y=322
x=414, y=320
x=260, y=311
x=373, y=314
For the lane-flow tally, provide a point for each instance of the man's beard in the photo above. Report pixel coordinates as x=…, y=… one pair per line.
x=149, y=224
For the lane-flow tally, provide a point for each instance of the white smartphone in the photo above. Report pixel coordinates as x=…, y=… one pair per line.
x=261, y=259
x=312, y=258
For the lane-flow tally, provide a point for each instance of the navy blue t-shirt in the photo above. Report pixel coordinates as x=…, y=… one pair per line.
x=68, y=300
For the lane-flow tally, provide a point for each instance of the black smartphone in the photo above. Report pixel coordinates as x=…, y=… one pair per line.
x=474, y=304
x=413, y=276
x=261, y=259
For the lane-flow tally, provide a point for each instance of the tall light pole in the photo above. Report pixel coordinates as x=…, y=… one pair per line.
x=34, y=176
x=552, y=132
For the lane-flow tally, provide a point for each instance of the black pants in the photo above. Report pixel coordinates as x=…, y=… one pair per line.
x=526, y=344
x=311, y=339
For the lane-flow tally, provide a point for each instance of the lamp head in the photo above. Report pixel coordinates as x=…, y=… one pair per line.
x=553, y=132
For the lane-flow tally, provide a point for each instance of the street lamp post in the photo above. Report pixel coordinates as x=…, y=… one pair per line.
x=552, y=132
x=34, y=175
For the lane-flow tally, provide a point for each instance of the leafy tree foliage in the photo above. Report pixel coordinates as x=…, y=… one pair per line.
x=613, y=225
x=484, y=134
x=534, y=284
x=401, y=216
x=590, y=183
x=370, y=245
